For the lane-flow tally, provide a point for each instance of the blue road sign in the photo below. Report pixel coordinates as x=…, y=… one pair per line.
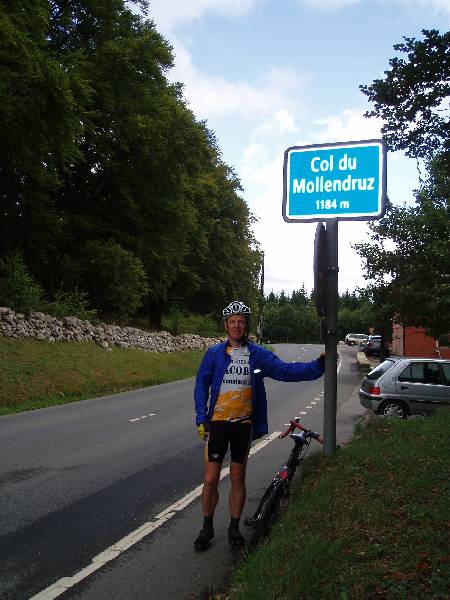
x=342, y=181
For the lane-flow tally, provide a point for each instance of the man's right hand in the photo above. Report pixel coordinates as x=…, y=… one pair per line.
x=202, y=431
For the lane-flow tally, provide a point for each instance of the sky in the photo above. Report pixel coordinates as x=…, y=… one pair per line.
x=266, y=75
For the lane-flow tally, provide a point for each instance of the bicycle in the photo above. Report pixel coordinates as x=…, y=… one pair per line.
x=269, y=505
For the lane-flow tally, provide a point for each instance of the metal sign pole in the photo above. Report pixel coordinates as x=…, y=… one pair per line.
x=331, y=339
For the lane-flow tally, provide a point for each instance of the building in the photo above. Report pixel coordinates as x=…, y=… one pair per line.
x=413, y=341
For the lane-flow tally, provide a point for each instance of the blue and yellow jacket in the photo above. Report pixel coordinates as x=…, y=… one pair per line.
x=263, y=363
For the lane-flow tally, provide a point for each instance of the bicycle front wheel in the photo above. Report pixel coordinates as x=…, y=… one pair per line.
x=269, y=508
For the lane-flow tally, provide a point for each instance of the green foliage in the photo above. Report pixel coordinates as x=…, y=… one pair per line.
x=179, y=321
x=99, y=148
x=115, y=278
x=358, y=525
x=18, y=289
x=408, y=257
x=356, y=320
x=35, y=374
x=294, y=318
x=73, y=303
x=289, y=323
x=39, y=127
x=412, y=100
x=290, y=318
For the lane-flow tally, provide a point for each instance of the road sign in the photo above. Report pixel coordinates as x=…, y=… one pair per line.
x=345, y=181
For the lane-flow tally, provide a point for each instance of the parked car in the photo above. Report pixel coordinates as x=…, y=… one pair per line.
x=362, y=345
x=355, y=338
x=407, y=386
x=373, y=345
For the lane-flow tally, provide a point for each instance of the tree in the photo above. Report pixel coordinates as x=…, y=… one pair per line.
x=39, y=126
x=357, y=320
x=18, y=289
x=408, y=258
x=290, y=318
x=99, y=149
x=412, y=100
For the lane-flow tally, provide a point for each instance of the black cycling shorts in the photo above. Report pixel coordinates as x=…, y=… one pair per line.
x=237, y=436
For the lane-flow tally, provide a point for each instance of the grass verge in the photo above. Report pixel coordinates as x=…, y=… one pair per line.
x=370, y=522
x=35, y=374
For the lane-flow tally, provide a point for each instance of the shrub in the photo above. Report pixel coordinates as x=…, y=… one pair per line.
x=18, y=289
x=115, y=278
x=71, y=303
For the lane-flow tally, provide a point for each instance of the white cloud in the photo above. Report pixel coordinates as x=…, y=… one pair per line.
x=280, y=122
x=431, y=6
x=211, y=96
x=327, y=5
x=347, y=126
x=168, y=15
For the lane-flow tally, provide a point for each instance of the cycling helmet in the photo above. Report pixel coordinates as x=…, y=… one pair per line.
x=236, y=308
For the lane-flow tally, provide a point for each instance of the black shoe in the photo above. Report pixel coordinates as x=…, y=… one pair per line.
x=203, y=540
x=235, y=537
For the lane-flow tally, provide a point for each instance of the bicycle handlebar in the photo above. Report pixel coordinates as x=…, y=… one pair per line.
x=294, y=424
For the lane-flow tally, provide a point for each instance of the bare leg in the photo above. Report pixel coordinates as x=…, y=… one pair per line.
x=210, y=493
x=210, y=498
x=238, y=491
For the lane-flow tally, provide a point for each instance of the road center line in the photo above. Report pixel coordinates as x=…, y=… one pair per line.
x=65, y=583
x=140, y=418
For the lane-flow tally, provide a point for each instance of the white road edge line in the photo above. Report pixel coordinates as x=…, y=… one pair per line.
x=65, y=583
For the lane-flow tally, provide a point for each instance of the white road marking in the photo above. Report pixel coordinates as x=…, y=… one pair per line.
x=140, y=418
x=313, y=402
x=302, y=412
x=65, y=583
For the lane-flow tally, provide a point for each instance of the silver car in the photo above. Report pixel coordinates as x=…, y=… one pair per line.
x=355, y=338
x=407, y=386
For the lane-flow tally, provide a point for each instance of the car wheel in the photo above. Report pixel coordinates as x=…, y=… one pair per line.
x=392, y=408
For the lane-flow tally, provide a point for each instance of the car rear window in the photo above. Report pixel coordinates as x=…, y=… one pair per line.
x=380, y=369
x=446, y=369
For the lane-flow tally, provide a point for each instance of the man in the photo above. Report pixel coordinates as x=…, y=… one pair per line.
x=231, y=410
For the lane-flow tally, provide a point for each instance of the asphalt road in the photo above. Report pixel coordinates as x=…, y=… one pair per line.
x=79, y=478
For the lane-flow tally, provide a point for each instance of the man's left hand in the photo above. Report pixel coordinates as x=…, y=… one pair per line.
x=202, y=431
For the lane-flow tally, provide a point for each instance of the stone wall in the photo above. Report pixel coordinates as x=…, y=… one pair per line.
x=39, y=326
